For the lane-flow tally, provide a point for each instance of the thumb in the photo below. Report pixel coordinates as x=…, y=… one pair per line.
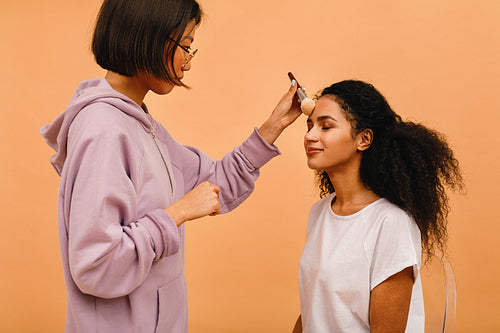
x=217, y=189
x=293, y=88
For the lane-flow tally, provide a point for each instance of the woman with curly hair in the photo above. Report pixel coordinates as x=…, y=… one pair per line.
x=382, y=183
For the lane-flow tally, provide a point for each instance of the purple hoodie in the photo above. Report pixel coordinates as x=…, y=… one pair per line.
x=123, y=256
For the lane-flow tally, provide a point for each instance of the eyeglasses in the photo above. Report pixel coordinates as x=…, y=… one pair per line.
x=190, y=55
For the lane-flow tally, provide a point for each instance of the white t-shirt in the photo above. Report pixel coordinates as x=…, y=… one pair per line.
x=345, y=257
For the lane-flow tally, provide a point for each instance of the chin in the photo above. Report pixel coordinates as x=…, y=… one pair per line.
x=164, y=90
x=313, y=166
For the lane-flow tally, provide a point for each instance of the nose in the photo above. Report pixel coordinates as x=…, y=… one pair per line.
x=311, y=136
x=186, y=66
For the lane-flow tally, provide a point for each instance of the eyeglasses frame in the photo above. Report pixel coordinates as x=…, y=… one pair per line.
x=190, y=55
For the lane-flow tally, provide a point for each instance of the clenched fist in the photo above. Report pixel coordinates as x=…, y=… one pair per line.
x=201, y=201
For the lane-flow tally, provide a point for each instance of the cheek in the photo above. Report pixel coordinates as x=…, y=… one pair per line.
x=175, y=63
x=179, y=60
x=340, y=144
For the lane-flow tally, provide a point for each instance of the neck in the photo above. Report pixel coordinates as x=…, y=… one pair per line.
x=351, y=194
x=131, y=87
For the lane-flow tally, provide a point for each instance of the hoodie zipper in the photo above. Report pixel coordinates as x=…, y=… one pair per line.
x=153, y=134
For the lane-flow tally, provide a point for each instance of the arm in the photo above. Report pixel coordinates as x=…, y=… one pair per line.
x=111, y=248
x=235, y=174
x=390, y=303
x=298, y=325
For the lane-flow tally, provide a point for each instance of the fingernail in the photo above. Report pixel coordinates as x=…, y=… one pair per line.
x=293, y=83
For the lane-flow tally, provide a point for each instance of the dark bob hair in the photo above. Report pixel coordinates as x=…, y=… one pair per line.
x=131, y=36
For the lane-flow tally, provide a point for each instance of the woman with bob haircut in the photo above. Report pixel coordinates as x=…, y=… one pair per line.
x=127, y=186
x=382, y=183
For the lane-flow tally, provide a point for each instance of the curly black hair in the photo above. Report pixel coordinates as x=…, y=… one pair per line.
x=408, y=164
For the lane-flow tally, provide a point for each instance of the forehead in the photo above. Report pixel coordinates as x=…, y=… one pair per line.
x=190, y=30
x=327, y=106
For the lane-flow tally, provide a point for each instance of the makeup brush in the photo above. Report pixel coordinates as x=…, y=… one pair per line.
x=306, y=104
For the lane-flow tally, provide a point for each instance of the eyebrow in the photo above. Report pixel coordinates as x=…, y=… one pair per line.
x=191, y=39
x=323, y=118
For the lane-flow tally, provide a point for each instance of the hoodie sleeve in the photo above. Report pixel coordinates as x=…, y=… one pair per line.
x=235, y=173
x=111, y=249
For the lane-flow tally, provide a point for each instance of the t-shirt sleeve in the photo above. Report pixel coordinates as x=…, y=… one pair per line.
x=394, y=246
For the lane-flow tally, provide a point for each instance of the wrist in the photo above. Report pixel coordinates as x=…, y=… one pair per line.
x=177, y=214
x=270, y=130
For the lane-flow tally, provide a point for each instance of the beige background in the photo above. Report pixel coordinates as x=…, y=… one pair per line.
x=437, y=62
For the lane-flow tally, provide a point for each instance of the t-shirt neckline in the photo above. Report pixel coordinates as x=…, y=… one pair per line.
x=347, y=217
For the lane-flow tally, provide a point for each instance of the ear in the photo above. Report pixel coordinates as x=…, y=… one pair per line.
x=365, y=139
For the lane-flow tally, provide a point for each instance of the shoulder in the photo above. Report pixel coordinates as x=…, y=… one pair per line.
x=101, y=115
x=321, y=204
x=101, y=128
x=102, y=120
x=384, y=212
x=385, y=221
x=319, y=209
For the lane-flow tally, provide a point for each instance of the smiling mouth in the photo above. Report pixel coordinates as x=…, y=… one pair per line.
x=312, y=151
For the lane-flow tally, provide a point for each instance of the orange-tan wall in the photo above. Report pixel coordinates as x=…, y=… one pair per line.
x=436, y=61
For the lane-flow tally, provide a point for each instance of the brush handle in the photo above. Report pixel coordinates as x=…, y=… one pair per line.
x=290, y=75
x=306, y=104
x=300, y=91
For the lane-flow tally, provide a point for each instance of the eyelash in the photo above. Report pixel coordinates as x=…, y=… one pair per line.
x=325, y=128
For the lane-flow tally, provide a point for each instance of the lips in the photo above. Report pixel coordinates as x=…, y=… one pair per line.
x=313, y=150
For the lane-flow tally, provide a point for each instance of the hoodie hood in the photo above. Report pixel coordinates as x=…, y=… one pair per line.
x=87, y=92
